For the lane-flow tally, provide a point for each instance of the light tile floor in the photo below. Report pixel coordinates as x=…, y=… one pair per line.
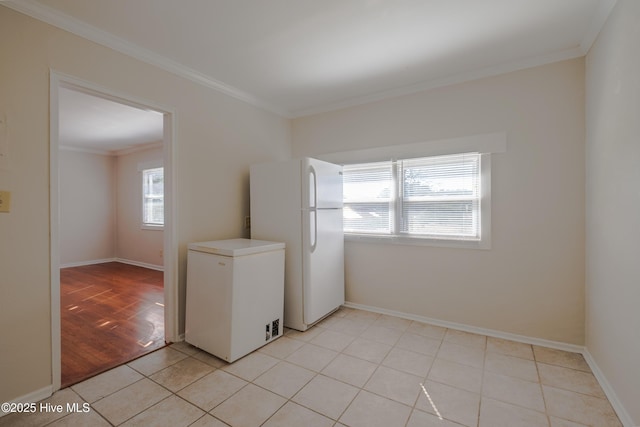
x=355, y=368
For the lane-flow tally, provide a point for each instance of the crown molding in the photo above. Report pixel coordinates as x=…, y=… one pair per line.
x=597, y=22
x=94, y=34
x=139, y=147
x=87, y=150
x=115, y=153
x=598, y=19
x=65, y=22
x=444, y=81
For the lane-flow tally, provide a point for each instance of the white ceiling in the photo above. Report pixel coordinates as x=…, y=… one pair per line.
x=99, y=125
x=298, y=57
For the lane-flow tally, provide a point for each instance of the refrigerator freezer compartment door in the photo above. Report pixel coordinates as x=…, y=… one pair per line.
x=324, y=184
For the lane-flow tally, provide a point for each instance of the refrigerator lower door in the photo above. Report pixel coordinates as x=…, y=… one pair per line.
x=323, y=263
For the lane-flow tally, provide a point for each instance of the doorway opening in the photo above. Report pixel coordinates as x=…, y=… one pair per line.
x=113, y=275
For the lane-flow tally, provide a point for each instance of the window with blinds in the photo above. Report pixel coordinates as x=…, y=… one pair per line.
x=153, y=197
x=431, y=198
x=368, y=195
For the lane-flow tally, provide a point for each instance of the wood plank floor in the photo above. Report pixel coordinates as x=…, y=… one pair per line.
x=111, y=313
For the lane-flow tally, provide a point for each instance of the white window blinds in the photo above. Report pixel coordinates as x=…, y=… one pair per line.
x=431, y=197
x=153, y=196
x=441, y=196
x=368, y=193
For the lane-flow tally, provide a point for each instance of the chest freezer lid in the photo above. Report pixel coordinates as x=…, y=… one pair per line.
x=235, y=247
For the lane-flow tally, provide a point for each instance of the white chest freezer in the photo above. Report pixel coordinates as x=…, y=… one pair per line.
x=235, y=296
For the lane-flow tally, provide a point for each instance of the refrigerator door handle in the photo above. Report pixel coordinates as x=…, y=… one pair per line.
x=313, y=188
x=313, y=204
x=313, y=232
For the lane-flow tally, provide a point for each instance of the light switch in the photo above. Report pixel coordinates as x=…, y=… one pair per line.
x=5, y=201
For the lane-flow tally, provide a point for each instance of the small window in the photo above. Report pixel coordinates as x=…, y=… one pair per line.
x=153, y=197
x=425, y=199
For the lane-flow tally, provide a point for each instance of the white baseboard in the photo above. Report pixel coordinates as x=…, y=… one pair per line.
x=473, y=329
x=33, y=397
x=122, y=260
x=90, y=262
x=622, y=413
x=140, y=264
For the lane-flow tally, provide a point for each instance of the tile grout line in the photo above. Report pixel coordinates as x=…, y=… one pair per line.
x=484, y=366
x=413, y=407
x=360, y=388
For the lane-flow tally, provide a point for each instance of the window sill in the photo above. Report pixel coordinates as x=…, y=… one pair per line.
x=152, y=227
x=417, y=241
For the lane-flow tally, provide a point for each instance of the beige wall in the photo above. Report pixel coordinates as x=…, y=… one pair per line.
x=531, y=282
x=87, y=207
x=217, y=138
x=100, y=208
x=613, y=204
x=133, y=242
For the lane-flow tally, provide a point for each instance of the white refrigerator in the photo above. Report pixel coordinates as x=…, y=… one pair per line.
x=299, y=202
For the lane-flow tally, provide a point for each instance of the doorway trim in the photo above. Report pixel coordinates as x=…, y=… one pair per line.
x=59, y=80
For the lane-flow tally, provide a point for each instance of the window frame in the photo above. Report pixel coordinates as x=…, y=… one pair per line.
x=397, y=237
x=144, y=171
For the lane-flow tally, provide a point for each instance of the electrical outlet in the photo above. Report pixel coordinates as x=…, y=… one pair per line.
x=247, y=222
x=5, y=201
